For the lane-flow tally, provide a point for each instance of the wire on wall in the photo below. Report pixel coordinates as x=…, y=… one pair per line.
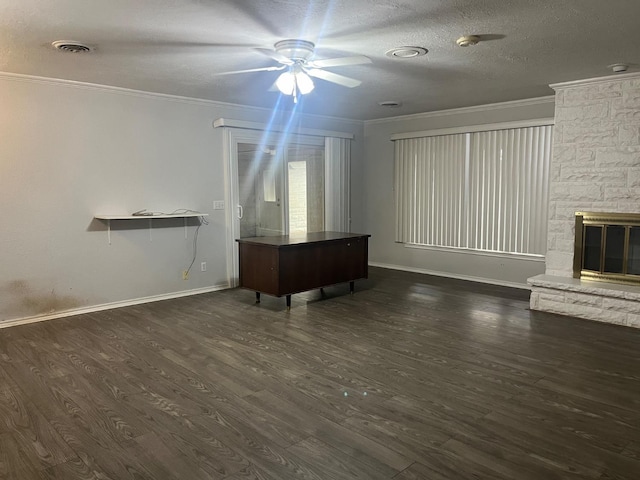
x=179, y=211
x=203, y=221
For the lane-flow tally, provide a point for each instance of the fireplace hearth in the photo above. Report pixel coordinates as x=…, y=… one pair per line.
x=607, y=247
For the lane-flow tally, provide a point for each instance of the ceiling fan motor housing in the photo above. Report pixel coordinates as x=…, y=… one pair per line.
x=297, y=50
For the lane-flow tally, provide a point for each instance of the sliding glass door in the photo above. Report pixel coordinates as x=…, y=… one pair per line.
x=280, y=185
x=305, y=187
x=283, y=184
x=260, y=186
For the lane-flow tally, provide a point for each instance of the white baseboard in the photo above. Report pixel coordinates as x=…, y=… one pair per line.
x=109, y=306
x=470, y=278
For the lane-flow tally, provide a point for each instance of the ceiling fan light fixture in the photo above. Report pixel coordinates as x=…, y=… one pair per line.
x=286, y=83
x=298, y=69
x=294, y=81
x=295, y=49
x=304, y=83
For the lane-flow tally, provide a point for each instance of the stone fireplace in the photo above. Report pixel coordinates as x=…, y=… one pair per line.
x=595, y=169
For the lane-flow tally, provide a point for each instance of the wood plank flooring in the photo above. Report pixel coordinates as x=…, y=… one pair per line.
x=413, y=377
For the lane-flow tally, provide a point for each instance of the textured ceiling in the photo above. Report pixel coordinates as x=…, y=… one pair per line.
x=176, y=47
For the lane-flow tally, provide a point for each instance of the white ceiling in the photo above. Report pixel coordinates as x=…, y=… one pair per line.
x=176, y=47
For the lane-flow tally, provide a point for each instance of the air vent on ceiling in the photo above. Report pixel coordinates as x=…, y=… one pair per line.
x=406, y=52
x=72, y=47
x=390, y=104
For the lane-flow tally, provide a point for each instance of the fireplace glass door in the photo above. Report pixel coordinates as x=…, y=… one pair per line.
x=633, y=262
x=607, y=247
x=592, y=247
x=614, y=249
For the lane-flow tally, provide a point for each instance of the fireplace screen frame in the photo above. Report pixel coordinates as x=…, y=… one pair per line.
x=603, y=220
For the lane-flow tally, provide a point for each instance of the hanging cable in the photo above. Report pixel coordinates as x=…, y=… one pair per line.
x=204, y=221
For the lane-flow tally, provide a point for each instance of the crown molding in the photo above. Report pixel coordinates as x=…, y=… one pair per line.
x=591, y=81
x=549, y=99
x=19, y=77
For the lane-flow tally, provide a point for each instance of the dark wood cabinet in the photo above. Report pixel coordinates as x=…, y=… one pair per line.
x=290, y=264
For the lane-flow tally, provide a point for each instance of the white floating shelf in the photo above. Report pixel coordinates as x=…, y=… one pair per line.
x=142, y=217
x=149, y=218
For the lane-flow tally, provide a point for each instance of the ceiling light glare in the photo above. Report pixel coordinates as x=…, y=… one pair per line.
x=406, y=52
x=286, y=83
x=294, y=82
x=305, y=84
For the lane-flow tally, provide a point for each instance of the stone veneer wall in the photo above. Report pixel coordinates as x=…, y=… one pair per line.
x=595, y=167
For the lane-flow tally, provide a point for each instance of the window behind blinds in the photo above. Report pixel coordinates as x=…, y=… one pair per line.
x=483, y=190
x=430, y=190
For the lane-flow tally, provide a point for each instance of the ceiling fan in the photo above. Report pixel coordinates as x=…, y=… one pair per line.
x=295, y=58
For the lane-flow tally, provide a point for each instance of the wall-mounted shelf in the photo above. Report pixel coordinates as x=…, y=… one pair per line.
x=149, y=218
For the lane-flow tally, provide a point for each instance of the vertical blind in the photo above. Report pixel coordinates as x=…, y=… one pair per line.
x=482, y=190
x=430, y=191
x=337, y=181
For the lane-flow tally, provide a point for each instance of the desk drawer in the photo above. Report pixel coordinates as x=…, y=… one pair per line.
x=317, y=265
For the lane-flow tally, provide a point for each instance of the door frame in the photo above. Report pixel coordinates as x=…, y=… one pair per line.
x=231, y=138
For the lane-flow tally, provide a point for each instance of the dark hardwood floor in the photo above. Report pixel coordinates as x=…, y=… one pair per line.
x=414, y=377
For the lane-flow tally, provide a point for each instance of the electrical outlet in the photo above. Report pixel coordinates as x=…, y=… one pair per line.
x=203, y=267
x=218, y=204
x=185, y=275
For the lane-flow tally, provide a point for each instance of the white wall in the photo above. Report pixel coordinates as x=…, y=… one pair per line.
x=70, y=151
x=380, y=204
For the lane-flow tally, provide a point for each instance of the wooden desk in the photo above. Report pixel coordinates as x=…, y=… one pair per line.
x=290, y=264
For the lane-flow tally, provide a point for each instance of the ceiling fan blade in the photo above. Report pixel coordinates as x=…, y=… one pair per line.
x=263, y=69
x=278, y=57
x=339, y=62
x=333, y=77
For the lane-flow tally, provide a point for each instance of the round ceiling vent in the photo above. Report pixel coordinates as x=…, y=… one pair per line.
x=69, y=46
x=406, y=52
